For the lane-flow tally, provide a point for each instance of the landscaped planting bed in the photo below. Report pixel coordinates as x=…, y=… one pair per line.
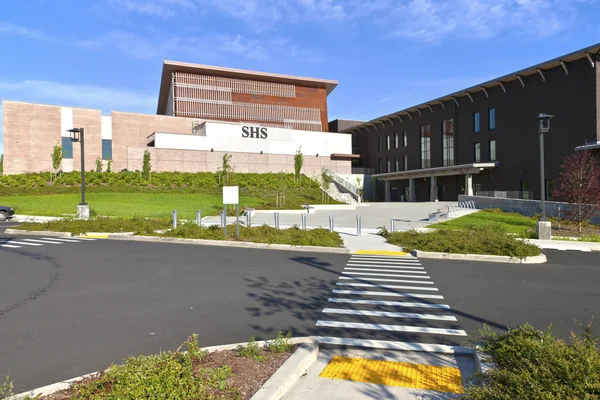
x=100, y=224
x=486, y=240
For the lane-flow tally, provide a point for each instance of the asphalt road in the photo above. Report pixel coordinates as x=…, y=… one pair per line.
x=73, y=308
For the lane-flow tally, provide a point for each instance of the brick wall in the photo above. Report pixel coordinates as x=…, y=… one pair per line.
x=131, y=130
x=30, y=133
x=90, y=121
x=206, y=161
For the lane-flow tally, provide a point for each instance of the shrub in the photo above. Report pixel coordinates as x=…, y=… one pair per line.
x=98, y=165
x=250, y=350
x=535, y=365
x=99, y=224
x=146, y=166
x=491, y=239
x=169, y=375
x=281, y=344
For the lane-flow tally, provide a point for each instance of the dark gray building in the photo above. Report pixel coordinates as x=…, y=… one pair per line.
x=485, y=138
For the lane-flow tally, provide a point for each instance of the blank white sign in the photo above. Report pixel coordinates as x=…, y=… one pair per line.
x=231, y=195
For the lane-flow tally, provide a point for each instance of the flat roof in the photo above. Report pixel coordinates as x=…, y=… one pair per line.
x=563, y=61
x=174, y=66
x=449, y=170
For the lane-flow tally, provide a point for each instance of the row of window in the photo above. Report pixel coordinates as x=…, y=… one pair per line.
x=388, y=141
x=448, y=151
x=491, y=120
x=491, y=149
x=67, y=148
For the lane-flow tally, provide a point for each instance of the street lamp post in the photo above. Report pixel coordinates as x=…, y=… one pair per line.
x=83, y=209
x=543, y=225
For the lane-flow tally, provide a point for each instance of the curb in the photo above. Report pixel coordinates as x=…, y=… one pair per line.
x=37, y=233
x=62, y=385
x=480, y=257
x=481, y=364
x=289, y=373
x=226, y=243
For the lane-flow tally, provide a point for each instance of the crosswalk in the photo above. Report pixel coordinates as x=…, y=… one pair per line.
x=30, y=242
x=388, y=302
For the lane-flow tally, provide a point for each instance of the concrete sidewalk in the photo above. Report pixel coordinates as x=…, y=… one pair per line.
x=357, y=374
x=566, y=245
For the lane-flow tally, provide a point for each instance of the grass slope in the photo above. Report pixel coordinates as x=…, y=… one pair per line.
x=512, y=222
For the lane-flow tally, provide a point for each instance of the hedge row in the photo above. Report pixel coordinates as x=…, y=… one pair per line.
x=158, y=179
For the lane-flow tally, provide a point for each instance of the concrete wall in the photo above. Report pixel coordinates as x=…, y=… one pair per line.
x=207, y=161
x=525, y=207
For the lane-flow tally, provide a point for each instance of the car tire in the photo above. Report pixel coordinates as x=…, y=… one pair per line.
x=3, y=216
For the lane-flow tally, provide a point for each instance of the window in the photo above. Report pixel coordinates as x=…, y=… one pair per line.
x=477, y=152
x=388, y=165
x=492, y=118
x=548, y=189
x=405, y=162
x=476, y=122
x=106, y=149
x=404, y=139
x=67, y=147
x=379, y=143
x=396, y=164
x=448, y=142
x=387, y=142
x=426, y=146
x=396, y=140
x=492, y=150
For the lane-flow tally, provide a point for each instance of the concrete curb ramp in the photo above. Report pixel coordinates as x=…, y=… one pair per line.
x=277, y=385
x=227, y=243
x=481, y=257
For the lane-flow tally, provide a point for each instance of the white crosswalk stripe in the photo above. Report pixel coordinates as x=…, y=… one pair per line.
x=366, y=319
x=394, y=275
x=388, y=303
x=42, y=241
x=366, y=279
x=20, y=242
x=372, y=285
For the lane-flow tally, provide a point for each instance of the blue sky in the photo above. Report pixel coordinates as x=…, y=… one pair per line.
x=386, y=54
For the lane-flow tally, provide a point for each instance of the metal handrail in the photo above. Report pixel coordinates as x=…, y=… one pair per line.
x=344, y=183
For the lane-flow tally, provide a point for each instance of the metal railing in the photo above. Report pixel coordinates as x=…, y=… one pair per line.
x=461, y=208
x=363, y=171
x=510, y=194
x=350, y=188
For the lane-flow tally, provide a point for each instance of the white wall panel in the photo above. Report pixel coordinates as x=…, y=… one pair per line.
x=106, y=127
x=66, y=121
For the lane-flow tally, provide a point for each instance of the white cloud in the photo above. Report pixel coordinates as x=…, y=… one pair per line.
x=89, y=96
x=18, y=30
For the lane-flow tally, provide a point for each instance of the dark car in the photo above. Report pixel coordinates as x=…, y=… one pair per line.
x=6, y=212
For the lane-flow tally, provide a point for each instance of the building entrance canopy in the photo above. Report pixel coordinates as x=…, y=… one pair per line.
x=465, y=169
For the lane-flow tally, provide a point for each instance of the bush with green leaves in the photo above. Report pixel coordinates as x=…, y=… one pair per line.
x=169, y=375
x=146, y=165
x=98, y=165
x=281, y=344
x=250, y=350
x=491, y=239
x=100, y=224
x=535, y=365
x=258, y=234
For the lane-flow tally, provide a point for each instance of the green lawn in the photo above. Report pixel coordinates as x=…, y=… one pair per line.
x=126, y=204
x=512, y=222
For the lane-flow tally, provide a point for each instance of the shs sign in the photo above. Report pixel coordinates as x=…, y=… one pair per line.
x=254, y=132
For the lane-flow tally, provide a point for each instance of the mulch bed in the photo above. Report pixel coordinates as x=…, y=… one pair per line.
x=248, y=374
x=570, y=230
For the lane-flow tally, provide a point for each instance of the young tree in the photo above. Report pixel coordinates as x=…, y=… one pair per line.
x=109, y=166
x=57, y=157
x=298, y=161
x=579, y=185
x=226, y=168
x=146, y=165
x=1, y=164
x=98, y=165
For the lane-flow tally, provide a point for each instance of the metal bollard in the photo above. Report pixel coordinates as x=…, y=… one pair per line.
x=248, y=219
x=174, y=218
x=358, y=225
x=221, y=216
x=276, y=216
x=330, y=223
x=199, y=217
x=392, y=226
x=303, y=221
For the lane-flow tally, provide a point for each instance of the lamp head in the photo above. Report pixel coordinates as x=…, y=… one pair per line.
x=544, y=122
x=74, y=134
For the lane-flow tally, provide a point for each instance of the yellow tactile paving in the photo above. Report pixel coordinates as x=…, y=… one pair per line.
x=92, y=236
x=382, y=252
x=394, y=373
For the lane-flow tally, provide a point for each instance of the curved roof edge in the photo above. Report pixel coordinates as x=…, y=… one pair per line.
x=587, y=52
x=174, y=66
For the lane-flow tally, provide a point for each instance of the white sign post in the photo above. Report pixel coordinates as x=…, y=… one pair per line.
x=231, y=195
